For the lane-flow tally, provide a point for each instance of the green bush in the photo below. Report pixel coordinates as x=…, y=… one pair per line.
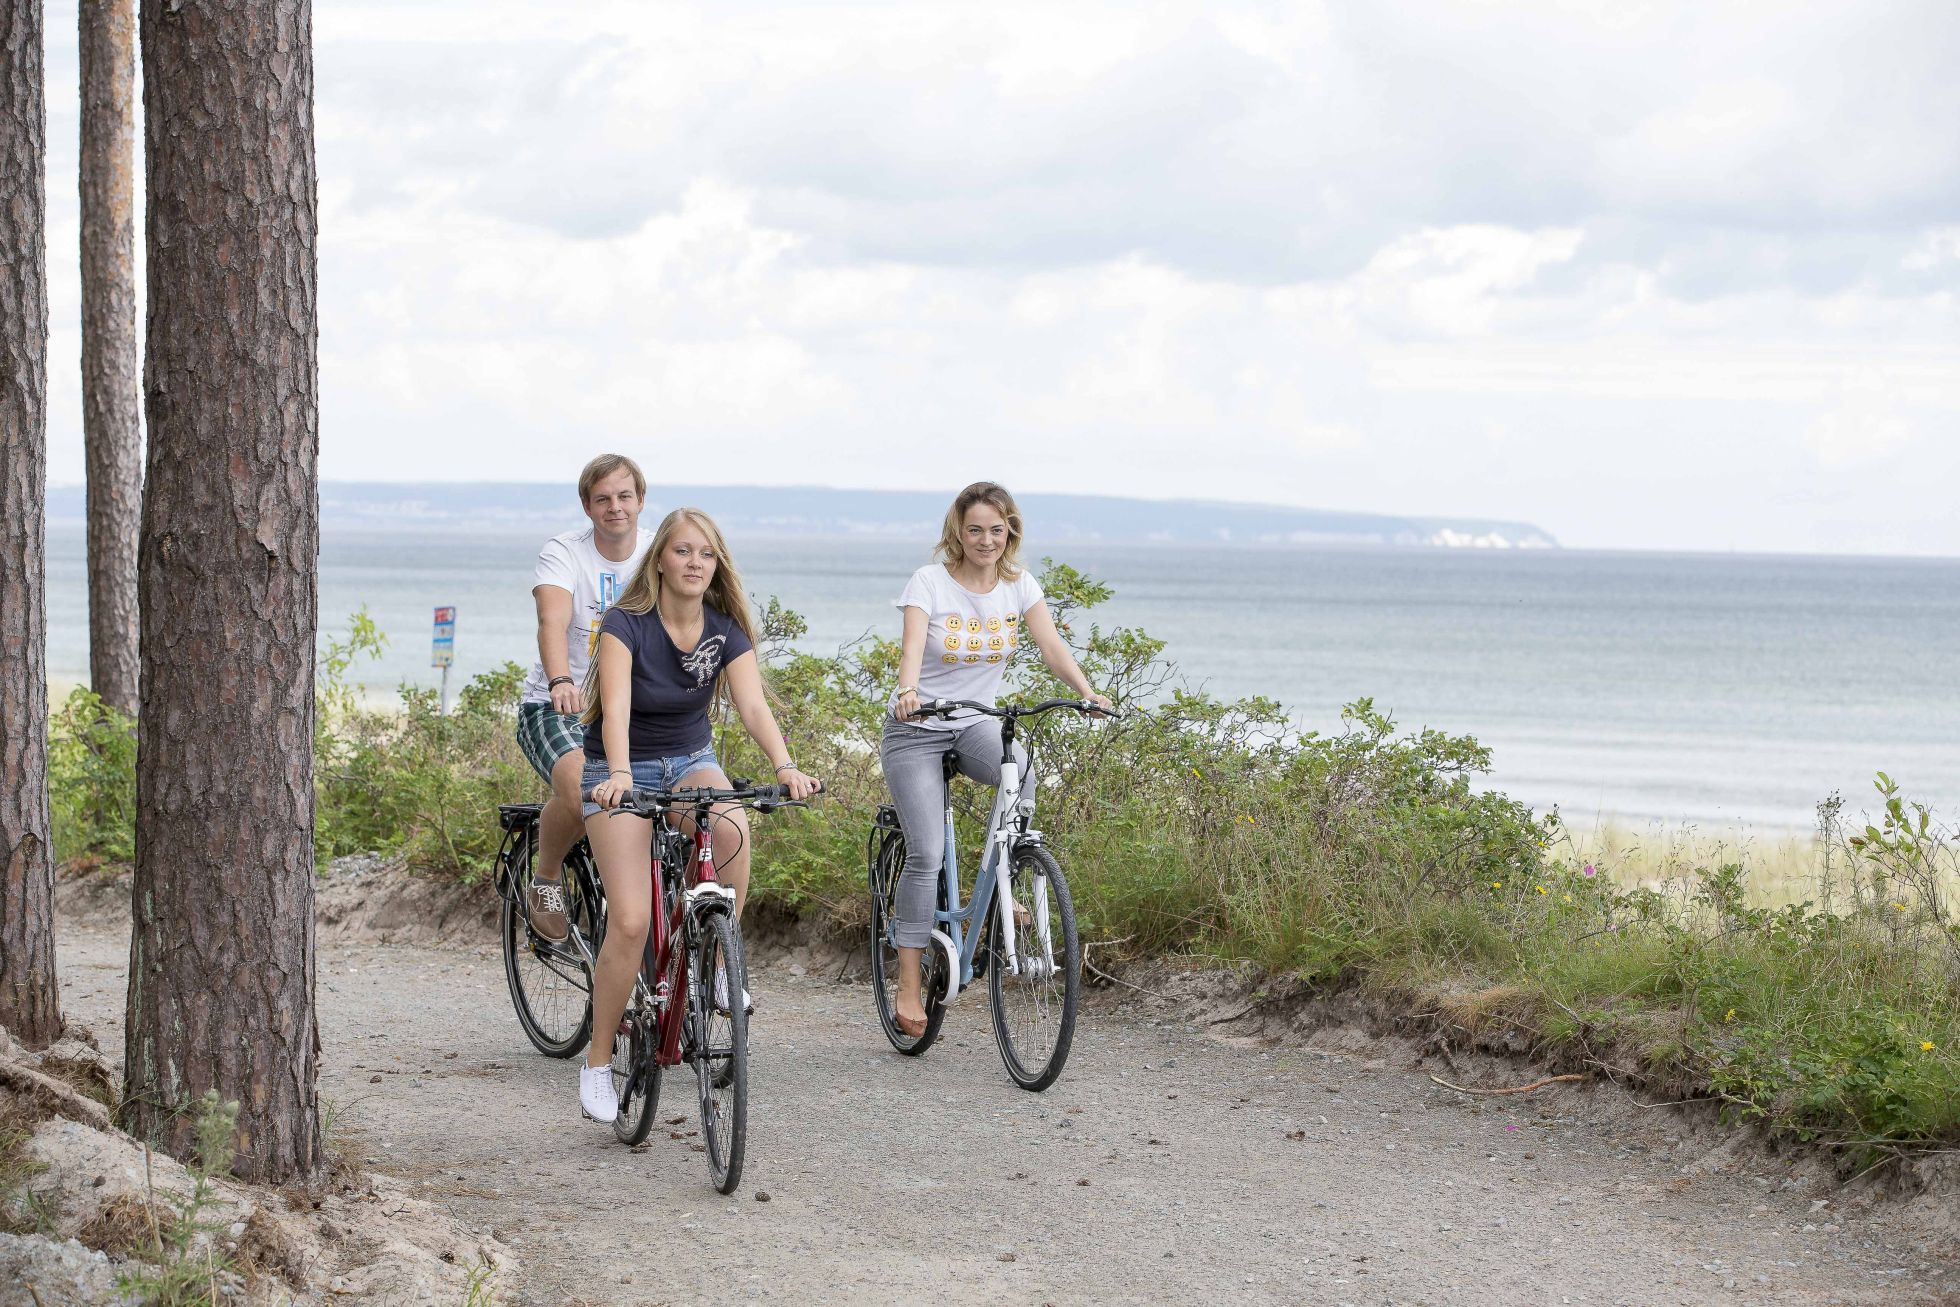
x=413, y=780
x=92, y=781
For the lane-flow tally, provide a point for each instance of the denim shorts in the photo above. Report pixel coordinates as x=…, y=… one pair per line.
x=648, y=773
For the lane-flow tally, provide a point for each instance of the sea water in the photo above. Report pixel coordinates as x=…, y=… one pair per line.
x=1723, y=689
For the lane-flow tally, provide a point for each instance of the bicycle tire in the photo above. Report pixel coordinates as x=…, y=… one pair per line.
x=1035, y=1046
x=550, y=989
x=636, y=1079
x=721, y=1047
x=885, y=865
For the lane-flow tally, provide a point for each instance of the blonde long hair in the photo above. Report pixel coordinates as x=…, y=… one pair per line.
x=952, y=548
x=725, y=593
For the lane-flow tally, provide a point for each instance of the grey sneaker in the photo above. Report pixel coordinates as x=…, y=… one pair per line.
x=547, y=903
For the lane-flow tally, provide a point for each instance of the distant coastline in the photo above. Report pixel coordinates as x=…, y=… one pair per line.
x=825, y=511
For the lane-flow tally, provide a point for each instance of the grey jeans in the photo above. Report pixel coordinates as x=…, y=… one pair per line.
x=912, y=757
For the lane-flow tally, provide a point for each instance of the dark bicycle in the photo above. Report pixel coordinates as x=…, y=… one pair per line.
x=674, y=1015
x=1018, y=928
x=550, y=980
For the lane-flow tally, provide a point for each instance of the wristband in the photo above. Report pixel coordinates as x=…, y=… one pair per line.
x=619, y=771
x=788, y=766
x=557, y=681
x=908, y=689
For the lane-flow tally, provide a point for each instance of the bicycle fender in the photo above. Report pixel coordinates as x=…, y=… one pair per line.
x=698, y=896
x=944, y=943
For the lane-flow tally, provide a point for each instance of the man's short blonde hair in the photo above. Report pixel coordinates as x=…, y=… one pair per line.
x=604, y=466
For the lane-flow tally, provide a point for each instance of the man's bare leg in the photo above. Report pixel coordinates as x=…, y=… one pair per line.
x=561, y=823
x=563, y=819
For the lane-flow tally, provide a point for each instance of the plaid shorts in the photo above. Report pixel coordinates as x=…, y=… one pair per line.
x=546, y=736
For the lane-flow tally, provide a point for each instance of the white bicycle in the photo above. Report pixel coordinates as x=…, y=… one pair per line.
x=1017, y=930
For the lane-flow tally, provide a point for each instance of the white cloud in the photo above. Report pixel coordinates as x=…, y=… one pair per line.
x=1935, y=250
x=1628, y=270
x=1845, y=439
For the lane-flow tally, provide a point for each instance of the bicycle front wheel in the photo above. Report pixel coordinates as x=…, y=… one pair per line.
x=721, y=1046
x=885, y=866
x=549, y=985
x=1034, y=1008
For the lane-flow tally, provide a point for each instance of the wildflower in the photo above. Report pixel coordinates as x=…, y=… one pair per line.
x=1927, y=1046
x=1729, y=1015
x=1568, y=898
x=1195, y=772
x=1541, y=889
x=1588, y=870
x=1899, y=907
x=1497, y=884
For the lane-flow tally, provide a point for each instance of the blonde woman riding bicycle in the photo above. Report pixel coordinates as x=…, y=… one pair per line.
x=679, y=640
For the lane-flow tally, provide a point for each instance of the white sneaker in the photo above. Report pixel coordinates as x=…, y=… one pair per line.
x=595, y=1093
x=721, y=993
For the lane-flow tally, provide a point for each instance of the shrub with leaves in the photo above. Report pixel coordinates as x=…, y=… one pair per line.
x=92, y=781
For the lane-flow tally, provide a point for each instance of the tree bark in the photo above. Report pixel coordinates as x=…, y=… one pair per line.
x=111, y=425
x=221, y=976
x=30, y=1002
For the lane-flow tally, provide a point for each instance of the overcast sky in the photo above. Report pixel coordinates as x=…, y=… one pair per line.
x=1645, y=274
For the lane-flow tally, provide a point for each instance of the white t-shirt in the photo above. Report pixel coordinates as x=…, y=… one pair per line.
x=572, y=562
x=969, y=637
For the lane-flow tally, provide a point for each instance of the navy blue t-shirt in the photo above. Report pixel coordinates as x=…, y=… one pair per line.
x=671, y=690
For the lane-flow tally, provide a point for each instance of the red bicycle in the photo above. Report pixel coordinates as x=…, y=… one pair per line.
x=679, y=1010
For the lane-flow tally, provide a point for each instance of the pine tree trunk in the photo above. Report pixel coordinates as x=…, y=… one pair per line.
x=221, y=977
x=30, y=1002
x=110, y=365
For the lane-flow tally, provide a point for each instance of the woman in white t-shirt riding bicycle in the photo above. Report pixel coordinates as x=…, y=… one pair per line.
x=965, y=614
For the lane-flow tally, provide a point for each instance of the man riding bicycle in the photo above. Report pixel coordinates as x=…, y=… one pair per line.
x=579, y=575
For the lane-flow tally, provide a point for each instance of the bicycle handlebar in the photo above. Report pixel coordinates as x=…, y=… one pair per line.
x=763, y=798
x=947, y=707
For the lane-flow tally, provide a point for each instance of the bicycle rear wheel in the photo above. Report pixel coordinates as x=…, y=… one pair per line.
x=636, y=1077
x=549, y=985
x=721, y=1047
x=1034, y=1009
x=886, y=863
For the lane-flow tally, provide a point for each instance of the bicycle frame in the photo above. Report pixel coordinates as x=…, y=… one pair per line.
x=692, y=862
x=1007, y=831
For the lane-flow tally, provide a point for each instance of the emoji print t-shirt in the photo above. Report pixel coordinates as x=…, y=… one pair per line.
x=969, y=637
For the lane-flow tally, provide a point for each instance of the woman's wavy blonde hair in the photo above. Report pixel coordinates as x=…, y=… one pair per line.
x=725, y=592
x=952, y=548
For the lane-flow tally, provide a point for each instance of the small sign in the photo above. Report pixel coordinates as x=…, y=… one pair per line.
x=444, y=651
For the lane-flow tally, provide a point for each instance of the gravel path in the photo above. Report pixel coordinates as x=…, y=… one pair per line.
x=1166, y=1166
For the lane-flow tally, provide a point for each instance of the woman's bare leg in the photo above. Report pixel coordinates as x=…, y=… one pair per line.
x=623, y=848
x=911, y=1003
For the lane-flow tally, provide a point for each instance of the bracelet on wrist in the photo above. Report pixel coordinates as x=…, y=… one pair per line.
x=557, y=681
x=788, y=766
x=908, y=689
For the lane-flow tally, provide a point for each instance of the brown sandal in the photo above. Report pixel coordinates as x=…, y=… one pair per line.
x=911, y=1027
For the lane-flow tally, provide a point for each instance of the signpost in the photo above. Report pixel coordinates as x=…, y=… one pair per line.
x=443, y=652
